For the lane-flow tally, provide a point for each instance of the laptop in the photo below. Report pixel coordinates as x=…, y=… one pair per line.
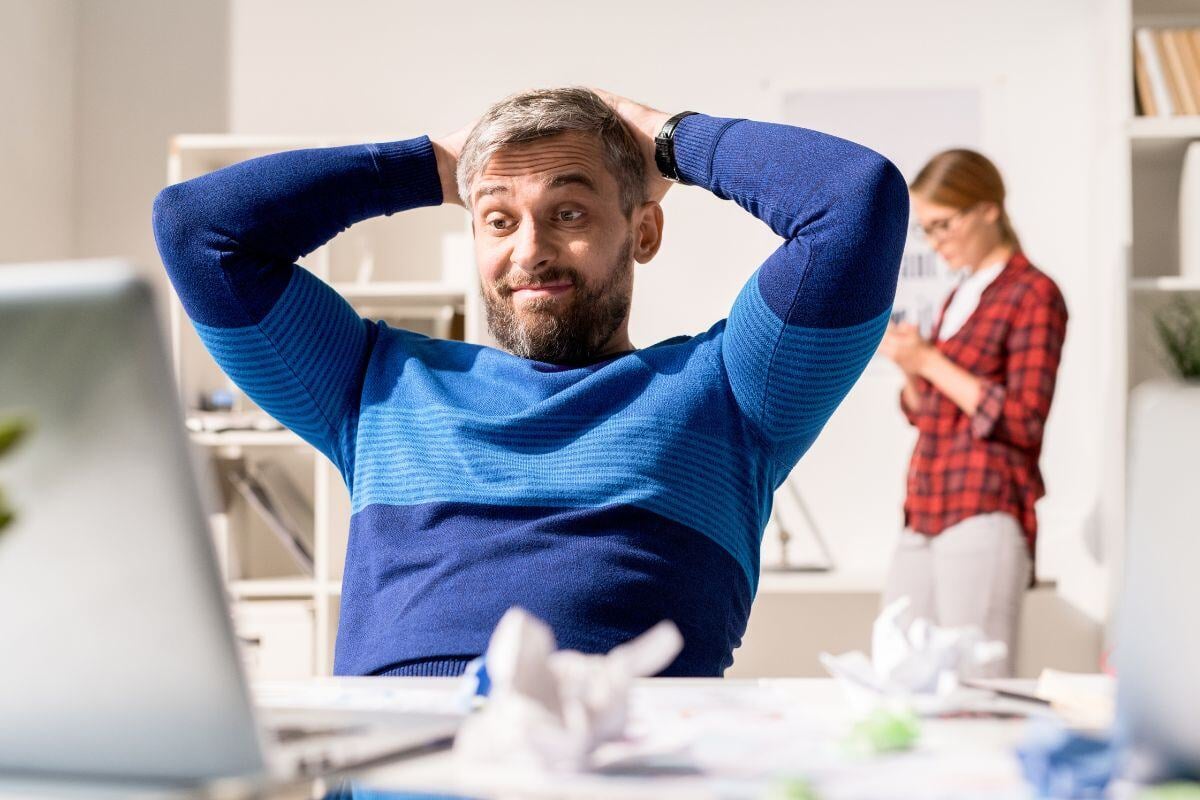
x=1157, y=649
x=118, y=658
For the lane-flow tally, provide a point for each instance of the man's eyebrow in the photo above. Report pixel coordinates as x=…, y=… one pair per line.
x=490, y=189
x=569, y=179
x=551, y=182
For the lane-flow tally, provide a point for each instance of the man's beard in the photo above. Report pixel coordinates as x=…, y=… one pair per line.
x=573, y=334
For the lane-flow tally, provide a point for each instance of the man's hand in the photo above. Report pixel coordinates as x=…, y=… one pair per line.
x=902, y=343
x=446, y=149
x=643, y=122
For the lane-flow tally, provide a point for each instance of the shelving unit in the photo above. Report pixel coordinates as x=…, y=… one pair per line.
x=415, y=269
x=1154, y=148
x=1145, y=231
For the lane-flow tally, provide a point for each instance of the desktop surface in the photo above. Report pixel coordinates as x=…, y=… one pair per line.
x=696, y=738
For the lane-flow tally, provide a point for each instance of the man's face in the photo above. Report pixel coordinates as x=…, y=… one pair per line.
x=554, y=250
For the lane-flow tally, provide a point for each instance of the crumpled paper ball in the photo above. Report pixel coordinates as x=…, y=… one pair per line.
x=911, y=657
x=550, y=708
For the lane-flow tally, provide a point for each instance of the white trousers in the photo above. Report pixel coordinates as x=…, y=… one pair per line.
x=973, y=573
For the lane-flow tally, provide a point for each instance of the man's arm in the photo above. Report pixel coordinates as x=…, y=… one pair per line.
x=229, y=241
x=809, y=319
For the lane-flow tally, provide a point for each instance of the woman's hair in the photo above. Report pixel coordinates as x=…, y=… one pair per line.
x=962, y=178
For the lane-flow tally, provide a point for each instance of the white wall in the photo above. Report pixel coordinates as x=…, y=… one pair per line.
x=92, y=91
x=37, y=76
x=147, y=69
x=404, y=69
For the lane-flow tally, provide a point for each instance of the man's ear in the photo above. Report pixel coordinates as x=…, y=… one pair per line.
x=647, y=233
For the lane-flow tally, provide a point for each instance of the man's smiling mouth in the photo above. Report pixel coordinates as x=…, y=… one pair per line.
x=550, y=289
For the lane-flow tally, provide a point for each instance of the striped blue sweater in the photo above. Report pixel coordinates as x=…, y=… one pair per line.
x=601, y=498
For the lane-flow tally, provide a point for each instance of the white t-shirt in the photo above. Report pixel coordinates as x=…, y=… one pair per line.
x=966, y=298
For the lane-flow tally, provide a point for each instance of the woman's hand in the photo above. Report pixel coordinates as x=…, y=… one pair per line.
x=644, y=123
x=902, y=343
x=919, y=359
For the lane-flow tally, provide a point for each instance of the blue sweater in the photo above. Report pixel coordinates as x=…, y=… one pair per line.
x=601, y=498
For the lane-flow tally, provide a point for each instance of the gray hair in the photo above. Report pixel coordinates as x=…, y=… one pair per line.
x=542, y=113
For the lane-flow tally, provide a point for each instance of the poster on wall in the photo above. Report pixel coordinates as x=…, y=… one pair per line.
x=908, y=126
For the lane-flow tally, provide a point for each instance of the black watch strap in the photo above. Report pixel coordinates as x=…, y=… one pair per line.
x=664, y=147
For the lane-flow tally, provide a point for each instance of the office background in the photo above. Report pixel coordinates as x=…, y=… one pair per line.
x=94, y=89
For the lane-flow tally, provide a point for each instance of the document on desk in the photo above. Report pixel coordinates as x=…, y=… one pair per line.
x=376, y=695
x=1086, y=700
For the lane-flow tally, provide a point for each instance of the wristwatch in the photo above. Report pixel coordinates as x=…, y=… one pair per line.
x=664, y=147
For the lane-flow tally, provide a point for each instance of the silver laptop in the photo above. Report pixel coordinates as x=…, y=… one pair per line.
x=117, y=653
x=1158, y=649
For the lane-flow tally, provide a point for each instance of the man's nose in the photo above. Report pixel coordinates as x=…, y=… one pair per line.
x=533, y=248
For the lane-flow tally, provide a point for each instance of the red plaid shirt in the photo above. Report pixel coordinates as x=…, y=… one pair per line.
x=964, y=465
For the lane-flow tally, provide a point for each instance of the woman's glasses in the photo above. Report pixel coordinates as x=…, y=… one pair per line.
x=940, y=227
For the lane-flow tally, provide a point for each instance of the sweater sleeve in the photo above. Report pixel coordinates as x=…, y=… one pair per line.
x=807, y=322
x=1014, y=408
x=229, y=240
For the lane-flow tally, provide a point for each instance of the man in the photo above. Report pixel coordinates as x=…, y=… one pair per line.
x=600, y=486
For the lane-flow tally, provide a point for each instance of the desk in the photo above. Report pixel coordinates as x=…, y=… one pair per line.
x=794, y=724
x=741, y=736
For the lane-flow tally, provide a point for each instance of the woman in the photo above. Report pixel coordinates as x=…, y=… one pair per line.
x=978, y=394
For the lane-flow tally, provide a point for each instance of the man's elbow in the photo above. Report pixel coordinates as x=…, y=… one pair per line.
x=173, y=222
x=877, y=220
x=894, y=189
x=874, y=206
x=885, y=194
x=165, y=215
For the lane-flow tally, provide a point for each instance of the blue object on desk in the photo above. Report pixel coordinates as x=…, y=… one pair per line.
x=353, y=790
x=1063, y=764
x=477, y=671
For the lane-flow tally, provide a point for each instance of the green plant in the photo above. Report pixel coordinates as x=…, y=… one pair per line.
x=12, y=430
x=1179, y=330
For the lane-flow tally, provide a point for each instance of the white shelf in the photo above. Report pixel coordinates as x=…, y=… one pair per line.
x=273, y=587
x=833, y=582
x=1158, y=128
x=279, y=438
x=410, y=292
x=1165, y=284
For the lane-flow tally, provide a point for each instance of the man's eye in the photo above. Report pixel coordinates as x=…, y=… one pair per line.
x=497, y=223
x=569, y=215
